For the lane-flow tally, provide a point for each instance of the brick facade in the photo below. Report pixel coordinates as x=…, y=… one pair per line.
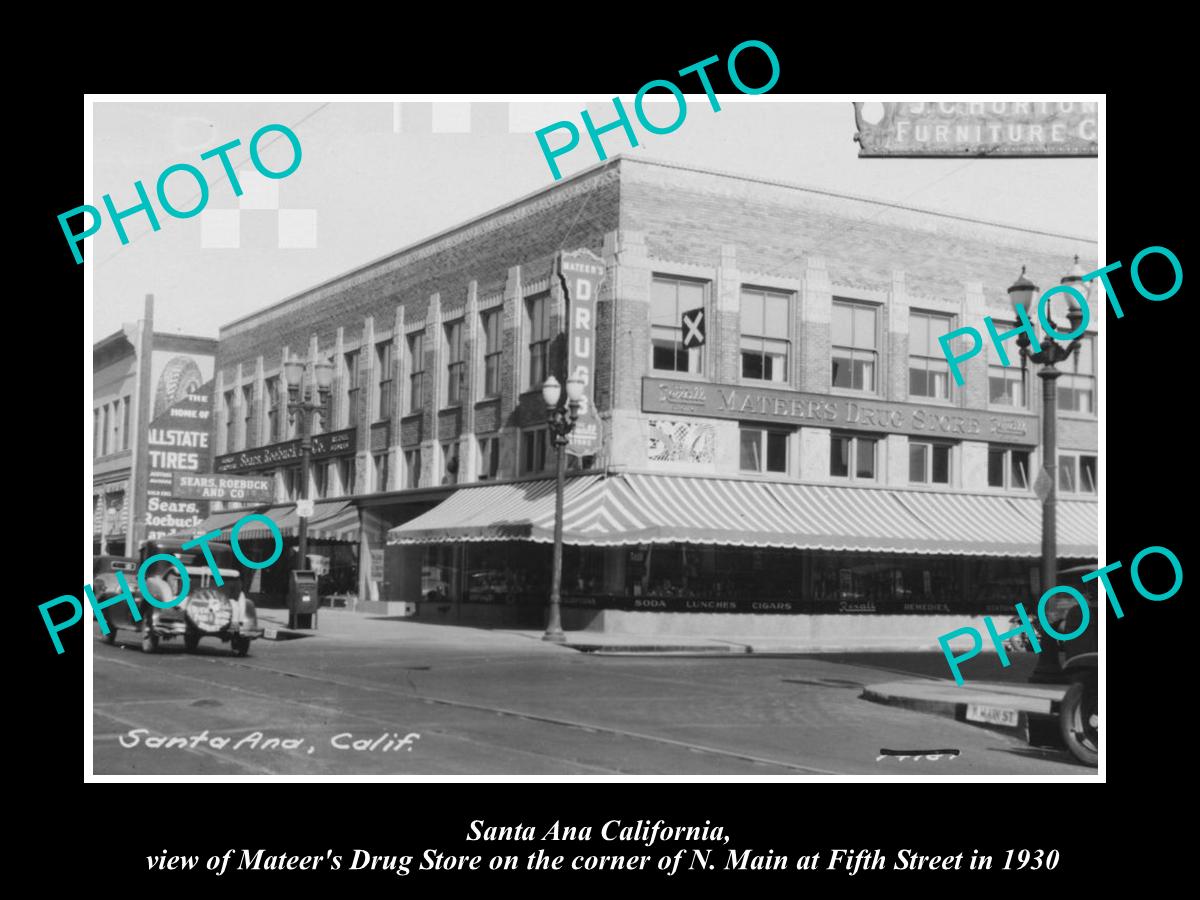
x=647, y=218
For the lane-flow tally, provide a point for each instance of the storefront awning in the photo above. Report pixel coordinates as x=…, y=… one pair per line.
x=338, y=522
x=332, y=520
x=324, y=514
x=657, y=509
x=500, y=512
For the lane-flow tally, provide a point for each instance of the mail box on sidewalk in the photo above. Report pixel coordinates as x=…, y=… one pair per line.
x=302, y=599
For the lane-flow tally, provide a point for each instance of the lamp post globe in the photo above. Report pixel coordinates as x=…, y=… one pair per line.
x=551, y=392
x=293, y=369
x=324, y=374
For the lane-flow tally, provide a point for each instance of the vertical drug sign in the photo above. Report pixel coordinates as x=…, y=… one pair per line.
x=582, y=273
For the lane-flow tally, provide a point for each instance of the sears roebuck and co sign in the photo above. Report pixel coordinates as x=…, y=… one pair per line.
x=999, y=129
x=728, y=401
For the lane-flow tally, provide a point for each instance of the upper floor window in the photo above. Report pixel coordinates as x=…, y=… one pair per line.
x=276, y=411
x=291, y=483
x=380, y=461
x=489, y=458
x=230, y=419
x=352, y=389
x=763, y=450
x=456, y=365
x=852, y=456
x=490, y=322
x=670, y=298
x=450, y=462
x=765, y=331
x=855, y=354
x=412, y=468
x=416, y=372
x=1077, y=383
x=535, y=447
x=1076, y=474
x=97, y=428
x=383, y=360
x=346, y=474
x=126, y=402
x=248, y=416
x=1008, y=467
x=928, y=462
x=928, y=370
x=1006, y=384
x=537, y=312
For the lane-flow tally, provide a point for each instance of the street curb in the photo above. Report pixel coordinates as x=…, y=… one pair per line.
x=957, y=710
x=674, y=649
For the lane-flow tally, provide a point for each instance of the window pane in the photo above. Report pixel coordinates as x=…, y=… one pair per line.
x=691, y=296
x=918, y=385
x=839, y=456
x=1020, y=468
x=864, y=374
x=750, y=443
x=842, y=325
x=842, y=373
x=995, y=468
x=1087, y=474
x=1066, y=474
x=664, y=355
x=916, y=462
x=752, y=313
x=864, y=327
x=1085, y=360
x=752, y=363
x=941, y=464
x=776, y=316
x=865, y=459
x=918, y=333
x=777, y=451
x=662, y=303
x=775, y=362
x=938, y=382
x=998, y=388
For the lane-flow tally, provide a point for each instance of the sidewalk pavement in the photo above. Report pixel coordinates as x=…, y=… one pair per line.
x=344, y=623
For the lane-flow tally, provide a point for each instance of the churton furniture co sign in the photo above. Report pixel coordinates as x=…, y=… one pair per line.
x=1001, y=129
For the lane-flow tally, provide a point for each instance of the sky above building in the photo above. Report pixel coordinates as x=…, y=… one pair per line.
x=376, y=176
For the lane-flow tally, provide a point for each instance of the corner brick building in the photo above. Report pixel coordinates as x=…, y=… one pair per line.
x=811, y=469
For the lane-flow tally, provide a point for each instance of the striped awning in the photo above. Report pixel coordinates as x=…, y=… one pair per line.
x=658, y=509
x=498, y=512
x=332, y=520
x=338, y=522
x=289, y=523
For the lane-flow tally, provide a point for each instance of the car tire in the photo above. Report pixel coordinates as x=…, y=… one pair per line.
x=150, y=642
x=111, y=637
x=239, y=645
x=191, y=640
x=1078, y=721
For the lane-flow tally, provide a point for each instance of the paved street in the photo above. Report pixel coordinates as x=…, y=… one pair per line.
x=475, y=702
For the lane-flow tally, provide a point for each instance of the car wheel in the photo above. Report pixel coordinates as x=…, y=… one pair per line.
x=150, y=642
x=1079, y=722
x=111, y=637
x=191, y=640
x=239, y=645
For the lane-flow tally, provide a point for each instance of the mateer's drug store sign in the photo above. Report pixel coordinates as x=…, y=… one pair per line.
x=973, y=128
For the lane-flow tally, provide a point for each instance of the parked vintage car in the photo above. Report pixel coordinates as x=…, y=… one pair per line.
x=209, y=610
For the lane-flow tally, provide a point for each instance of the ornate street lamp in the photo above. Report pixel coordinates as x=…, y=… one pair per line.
x=1048, y=357
x=306, y=400
x=561, y=420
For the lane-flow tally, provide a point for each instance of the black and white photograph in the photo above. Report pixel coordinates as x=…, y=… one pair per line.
x=681, y=435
